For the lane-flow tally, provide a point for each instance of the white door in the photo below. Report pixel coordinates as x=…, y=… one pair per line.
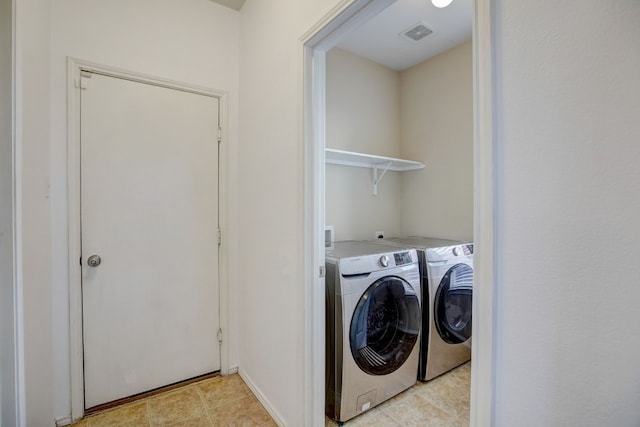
x=149, y=207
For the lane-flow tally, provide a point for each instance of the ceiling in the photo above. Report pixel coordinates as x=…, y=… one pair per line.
x=380, y=38
x=233, y=4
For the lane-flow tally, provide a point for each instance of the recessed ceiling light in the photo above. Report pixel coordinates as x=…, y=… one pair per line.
x=441, y=3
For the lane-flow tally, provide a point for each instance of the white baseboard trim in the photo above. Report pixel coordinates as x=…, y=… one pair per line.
x=232, y=370
x=277, y=418
x=64, y=421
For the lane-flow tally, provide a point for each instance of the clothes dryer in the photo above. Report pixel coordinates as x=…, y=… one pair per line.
x=446, y=270
x=373, y=320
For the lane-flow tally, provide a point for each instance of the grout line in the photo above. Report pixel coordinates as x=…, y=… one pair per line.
x=148, y=408
x=204, y=403
x=395, y=420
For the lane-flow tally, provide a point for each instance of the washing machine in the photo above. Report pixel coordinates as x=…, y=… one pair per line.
x=446, y=270
x=373, y=319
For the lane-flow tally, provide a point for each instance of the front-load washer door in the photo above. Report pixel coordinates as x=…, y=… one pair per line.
x=452, y=304
x=385, y=326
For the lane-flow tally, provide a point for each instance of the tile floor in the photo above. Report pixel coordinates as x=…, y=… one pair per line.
x=222, y=401
x=441, y=402
x=227, y=401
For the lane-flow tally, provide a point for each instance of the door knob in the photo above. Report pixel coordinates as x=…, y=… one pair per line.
x=94, y=261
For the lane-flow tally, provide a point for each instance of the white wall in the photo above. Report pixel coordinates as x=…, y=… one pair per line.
x=436, y=114
x=569, y=179
x=32, y=32
x=7, y=312
x=271, y=202
x=363, y=115
x=195, y=42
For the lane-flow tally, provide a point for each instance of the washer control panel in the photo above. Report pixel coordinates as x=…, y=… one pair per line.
x=383, y=260
x=402, y=258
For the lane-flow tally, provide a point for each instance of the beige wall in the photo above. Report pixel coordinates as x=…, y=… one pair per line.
x=352, y=208
x=568, y=179
x=7, y=291
x=33, y=207
x=363, y=105
x=363, y=115
x=271, y=209
x=436, y=113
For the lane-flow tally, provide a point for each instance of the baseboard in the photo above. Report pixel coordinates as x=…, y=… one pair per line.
x=64, y=421
x=277, y=418
x=232, y=370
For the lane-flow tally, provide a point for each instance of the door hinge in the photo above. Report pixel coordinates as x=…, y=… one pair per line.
x=219, y=335
x=323, y=271
x=219, y=237
x=219, y=135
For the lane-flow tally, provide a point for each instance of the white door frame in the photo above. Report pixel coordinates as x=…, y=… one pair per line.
x=324, y=35
x=74, y=68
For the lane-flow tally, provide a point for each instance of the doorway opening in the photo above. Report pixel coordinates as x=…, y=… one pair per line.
x=325, y=35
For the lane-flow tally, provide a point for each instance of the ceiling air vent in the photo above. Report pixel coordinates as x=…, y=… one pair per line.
x=416, y=32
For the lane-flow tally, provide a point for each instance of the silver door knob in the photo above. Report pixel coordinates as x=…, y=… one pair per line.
x=94, y=261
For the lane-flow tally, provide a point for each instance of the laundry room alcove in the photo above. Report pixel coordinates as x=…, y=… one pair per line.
x=399, y=162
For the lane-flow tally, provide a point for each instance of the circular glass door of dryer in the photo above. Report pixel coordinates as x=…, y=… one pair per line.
x=385, y=326
x=452, y=304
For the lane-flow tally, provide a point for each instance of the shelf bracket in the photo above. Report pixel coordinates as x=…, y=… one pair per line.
x=376, y=178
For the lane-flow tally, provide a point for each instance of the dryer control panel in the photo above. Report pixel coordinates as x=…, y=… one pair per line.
x=447, y=253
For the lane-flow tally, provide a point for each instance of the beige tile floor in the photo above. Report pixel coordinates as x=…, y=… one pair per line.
x=227, y=401
x=441, y=402
x=222, y=401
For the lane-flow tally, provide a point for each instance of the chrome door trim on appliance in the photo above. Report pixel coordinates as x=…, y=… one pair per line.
x=450, y=274
x=453, y=304
x=385, y=326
